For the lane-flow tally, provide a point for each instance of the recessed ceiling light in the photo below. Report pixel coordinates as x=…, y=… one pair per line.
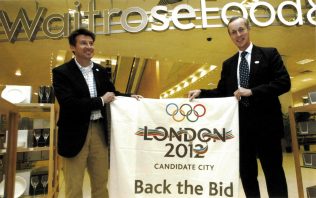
x=305, y=61
x=113, y=61
x=18, y=72
x=307, y=79
x=203, y=73
x=185, y=84
x=212, y=67
x=193, y=79
x=60, y=58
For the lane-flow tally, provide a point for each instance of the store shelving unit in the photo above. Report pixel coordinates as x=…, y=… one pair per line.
x=9, y=113
x=48, y=112
x=37, y=111
x=295, y=143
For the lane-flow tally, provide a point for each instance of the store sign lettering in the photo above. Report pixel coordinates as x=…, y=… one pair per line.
x=158, y=19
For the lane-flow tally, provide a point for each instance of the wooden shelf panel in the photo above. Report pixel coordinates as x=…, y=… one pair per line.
x=305, y=108
x=312, y=167
x=35, y=107
x=32, y=149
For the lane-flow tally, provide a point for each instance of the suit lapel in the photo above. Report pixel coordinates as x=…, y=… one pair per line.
x=96, y=77
x=256, y=58
x=234, y=70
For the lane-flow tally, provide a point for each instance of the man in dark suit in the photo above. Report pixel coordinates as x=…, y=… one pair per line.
x=260, y=116
x=82, y=88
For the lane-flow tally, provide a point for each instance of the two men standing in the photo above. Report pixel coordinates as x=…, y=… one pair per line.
x=256, y=76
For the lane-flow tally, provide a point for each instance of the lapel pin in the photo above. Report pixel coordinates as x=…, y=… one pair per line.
x=257, y=62
x=97, y=69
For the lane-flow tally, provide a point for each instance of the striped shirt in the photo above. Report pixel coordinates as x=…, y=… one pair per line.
x=89, y=77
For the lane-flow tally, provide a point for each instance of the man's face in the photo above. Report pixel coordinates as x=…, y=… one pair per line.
x=239, y=34
x=84, y=48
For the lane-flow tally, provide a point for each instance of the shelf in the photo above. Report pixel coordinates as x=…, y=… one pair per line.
x=307, y=134
x=297, y=139
x=36, y=196
x=35, y=107
x=305, y=108
x=313, y=167
x=33, y=149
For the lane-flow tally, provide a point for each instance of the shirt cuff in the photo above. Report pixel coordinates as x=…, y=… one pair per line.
x=102, y=101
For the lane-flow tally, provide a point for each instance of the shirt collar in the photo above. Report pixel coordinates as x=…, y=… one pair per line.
x=248, y=50
x=89, y=67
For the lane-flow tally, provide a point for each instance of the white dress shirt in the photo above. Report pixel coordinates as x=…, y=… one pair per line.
x=89, y=77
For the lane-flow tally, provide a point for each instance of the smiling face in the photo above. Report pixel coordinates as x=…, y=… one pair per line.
x=83, y=49
x=239, y=33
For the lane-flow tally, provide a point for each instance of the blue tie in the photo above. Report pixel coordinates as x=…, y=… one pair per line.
x=244, y=76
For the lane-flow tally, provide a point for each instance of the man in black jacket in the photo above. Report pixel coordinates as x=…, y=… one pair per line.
x=82, y=88
x=257, y=88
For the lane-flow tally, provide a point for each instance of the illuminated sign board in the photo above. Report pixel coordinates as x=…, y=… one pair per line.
x=159, y=18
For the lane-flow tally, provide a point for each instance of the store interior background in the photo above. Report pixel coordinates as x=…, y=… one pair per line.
x=162, y=61
x=154, y=64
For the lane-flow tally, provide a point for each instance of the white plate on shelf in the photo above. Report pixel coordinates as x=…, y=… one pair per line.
x=17, y=94
x=13, y=95
x=20, y=187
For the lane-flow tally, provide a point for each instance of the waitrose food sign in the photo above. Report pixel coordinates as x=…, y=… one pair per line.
x=159, y=18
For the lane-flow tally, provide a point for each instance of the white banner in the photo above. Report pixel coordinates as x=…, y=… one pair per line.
x=174, y=148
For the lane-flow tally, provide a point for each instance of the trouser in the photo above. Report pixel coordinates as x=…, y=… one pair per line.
x=94, y=157
x=270, y=157
x=269, y=151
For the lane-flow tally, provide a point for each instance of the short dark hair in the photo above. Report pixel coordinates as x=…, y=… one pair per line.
x=80, y=31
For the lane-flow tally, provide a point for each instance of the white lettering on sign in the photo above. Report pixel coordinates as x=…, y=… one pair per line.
x=183, y=17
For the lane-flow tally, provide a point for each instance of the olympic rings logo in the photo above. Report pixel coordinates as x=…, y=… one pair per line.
x=185, y=111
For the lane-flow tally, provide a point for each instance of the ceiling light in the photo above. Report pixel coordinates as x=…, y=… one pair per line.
x=185, y=84
x=203, y=73
x=98, y=60
x=113, y=61
x=18, y=72
x=60, y=58
x=212, y=67
x=197, y=75
x=193, y=79
x=307, y=79
x=305, y=61
x=71, y=12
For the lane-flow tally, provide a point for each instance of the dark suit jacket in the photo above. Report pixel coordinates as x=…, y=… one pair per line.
x=268, y=79
x=73, y=96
